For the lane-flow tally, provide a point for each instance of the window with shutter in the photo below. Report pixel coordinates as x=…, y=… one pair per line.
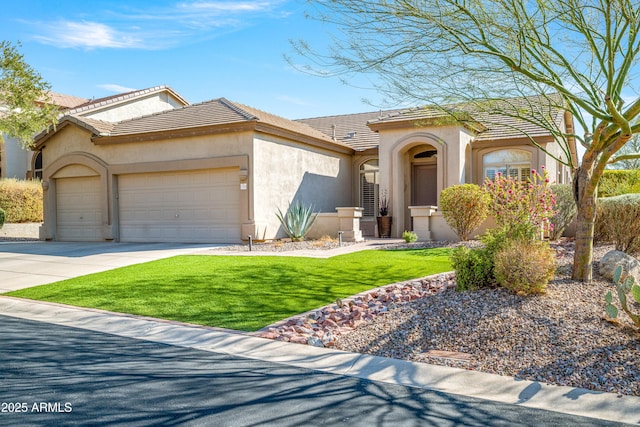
x=510, y=162
x=369, y=187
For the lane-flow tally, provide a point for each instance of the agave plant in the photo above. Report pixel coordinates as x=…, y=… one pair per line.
x=297, y=221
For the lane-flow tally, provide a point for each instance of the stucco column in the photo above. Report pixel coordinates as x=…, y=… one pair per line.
x=421, y=221
x=349, y=224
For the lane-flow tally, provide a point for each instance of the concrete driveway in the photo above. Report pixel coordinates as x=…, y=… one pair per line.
x=25, y=264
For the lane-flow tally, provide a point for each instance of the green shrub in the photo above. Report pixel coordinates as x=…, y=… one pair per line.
x=524, y=266
x=618, y=182
x=464, y=207
x=618, y=221
x=474, y=268
x=1, y=218
x=21, y=200
x=297, y=221
x=565, y=209
x=409, y=236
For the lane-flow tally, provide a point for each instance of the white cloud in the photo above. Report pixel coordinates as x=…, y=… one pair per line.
x=89, y=35
x=227, y=6
x=116, y=88
x=126, y=27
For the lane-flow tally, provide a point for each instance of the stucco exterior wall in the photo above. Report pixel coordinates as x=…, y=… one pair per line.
x=16, y=161
x=70, y=152
x=284, y=171
x=137, y=107
x=395, y=164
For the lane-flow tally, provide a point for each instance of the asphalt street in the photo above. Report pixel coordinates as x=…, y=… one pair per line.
x=57, y=375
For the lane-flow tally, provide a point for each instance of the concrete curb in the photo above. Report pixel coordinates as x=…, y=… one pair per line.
x=569, y=400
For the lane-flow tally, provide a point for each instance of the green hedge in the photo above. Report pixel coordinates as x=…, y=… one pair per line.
x=21, y=200
x=618, y=182
x=618, y=222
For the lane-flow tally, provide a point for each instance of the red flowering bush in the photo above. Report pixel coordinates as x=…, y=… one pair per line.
x=464, y=207
x=522, y=208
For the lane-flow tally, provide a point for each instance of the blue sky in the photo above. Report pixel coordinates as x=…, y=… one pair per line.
x=202, y=49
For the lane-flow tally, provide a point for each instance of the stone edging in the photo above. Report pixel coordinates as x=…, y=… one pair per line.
x=321, y=327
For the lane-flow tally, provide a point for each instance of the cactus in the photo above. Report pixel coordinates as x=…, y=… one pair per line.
x=623, y=287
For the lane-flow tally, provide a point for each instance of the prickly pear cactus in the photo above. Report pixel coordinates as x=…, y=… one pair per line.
x=623, y=287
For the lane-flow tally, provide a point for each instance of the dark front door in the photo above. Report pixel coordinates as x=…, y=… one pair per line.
x=424, y=185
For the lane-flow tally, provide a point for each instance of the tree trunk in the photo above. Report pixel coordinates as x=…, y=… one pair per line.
x=586, y=200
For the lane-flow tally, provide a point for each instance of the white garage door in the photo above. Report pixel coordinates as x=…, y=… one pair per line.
x=191, y=206
x=79, y=217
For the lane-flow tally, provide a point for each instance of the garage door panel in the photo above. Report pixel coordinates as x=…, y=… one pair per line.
x=190, y=206
x=79, y=213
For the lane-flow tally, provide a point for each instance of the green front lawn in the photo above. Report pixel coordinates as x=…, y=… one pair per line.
x=239, y=292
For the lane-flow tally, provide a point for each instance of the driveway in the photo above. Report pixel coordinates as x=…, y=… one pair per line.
x=56, y=375
x=25, y=264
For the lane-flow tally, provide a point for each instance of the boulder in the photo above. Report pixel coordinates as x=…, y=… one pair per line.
x=612, y=259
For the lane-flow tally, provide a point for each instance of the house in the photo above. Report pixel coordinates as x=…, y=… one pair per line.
x=217, y=171
x=20, y=163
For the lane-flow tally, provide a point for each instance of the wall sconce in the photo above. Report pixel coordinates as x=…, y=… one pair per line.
x=45, y=185
x=244, y=177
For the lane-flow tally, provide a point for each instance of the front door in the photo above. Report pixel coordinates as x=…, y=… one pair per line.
x=424, y=187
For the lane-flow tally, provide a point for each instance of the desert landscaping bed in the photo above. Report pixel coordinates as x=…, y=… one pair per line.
x=561, y=337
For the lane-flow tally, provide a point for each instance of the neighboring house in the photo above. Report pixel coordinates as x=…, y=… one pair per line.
x=217, y=171
x=21, y=163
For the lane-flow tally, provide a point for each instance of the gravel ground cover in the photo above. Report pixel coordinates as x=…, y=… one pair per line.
x=561, y=337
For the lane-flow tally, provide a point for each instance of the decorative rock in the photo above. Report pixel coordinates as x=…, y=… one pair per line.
x=315, y=342
x=609, y=262
x=324, y=326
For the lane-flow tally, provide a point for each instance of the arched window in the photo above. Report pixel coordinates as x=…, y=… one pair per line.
x=513, y=163
x=369, y=187
x=37, y=165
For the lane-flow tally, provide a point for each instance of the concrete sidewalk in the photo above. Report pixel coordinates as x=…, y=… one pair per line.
x=569, y=400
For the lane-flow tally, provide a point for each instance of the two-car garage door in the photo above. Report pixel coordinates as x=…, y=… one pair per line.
x=189, y=206
x=184, y=206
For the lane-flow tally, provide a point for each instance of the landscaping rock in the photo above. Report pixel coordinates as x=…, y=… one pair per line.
x=322, y=327
x=609, y=262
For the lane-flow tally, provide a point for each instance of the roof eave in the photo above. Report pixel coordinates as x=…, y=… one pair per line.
x=306, y=139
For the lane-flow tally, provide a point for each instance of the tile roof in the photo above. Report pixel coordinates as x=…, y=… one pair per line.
x=217, y=112
x=350, y=129
x=108, y=100
x=490, y=123
x=64, y=101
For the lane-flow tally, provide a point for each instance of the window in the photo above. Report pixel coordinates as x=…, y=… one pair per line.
x=512, y=163
x=369, y=187
x=37, y=166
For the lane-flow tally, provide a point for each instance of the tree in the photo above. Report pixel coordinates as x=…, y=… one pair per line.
x=24, y=110
x=577, y=55
x=630, y=148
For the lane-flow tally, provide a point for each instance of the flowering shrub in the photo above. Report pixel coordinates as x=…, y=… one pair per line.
x=464, y=207
x=523, y=209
